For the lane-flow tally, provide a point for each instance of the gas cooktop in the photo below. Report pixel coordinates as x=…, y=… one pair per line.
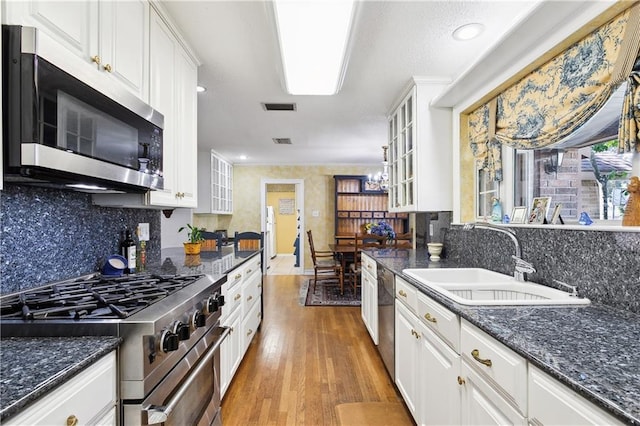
x=92, y=297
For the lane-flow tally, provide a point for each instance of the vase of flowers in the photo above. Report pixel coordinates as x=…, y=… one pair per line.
x=381, y=228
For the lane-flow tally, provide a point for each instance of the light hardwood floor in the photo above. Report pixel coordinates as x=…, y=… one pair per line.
x=303, y=362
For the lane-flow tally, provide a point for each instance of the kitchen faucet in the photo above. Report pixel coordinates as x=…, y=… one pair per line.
x=522, y=267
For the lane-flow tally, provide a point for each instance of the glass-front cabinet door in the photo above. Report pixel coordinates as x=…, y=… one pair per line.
x=420, y=151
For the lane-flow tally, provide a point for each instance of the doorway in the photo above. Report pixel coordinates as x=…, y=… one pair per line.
x=282, y=207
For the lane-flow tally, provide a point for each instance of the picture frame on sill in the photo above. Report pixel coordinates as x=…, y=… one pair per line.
x=539, y=210
x=519, y=214
x=556, y=214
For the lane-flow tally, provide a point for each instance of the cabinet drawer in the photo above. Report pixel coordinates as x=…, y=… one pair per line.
x=87, y=396
x=251, y=267
x=553, y=403
x=499, y=365
x=251, y=290
x=407, y=294
x=234, y=277
x=232, y=300
x=441, y=320
x=250, y=325
x=369, y=265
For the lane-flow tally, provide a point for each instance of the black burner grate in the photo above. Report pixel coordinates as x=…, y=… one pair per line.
x=97, y=297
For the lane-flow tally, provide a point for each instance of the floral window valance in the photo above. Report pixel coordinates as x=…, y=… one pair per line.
x=556, y=99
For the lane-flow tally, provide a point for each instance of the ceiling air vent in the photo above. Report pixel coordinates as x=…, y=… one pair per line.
x=282, y=141
x=278, y=107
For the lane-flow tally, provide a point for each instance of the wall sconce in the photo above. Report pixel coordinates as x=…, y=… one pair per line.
x=554, y=161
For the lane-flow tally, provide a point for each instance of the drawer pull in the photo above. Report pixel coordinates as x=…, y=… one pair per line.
x=476, y=355
x=96, y=60
x=368, y=266
x=402, y=293
x=237, y=296
x=429, y=318
x=415, y=333
x=238, y=276
x=108, y=68
x=248, y=271
x=72, y=420
x=461, y=381
x=249, y=298
x=249, y=332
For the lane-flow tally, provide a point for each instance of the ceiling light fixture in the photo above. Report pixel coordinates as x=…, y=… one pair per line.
x=201, y=89
x=381, y=179
x=468, y=31
x=313, y=38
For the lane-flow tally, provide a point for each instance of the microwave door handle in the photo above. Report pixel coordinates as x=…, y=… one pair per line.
x=160, y=413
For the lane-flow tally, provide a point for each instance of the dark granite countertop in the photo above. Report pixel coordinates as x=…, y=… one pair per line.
x=592, y=349
x=33, y=366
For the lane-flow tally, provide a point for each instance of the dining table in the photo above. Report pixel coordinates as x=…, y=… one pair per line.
x=345, y=251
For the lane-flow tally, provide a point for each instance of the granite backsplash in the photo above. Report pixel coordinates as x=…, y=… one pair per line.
x=605, y=265
x=50, y=234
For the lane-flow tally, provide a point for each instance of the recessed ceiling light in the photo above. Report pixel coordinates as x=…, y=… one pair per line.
x=243, y=157
x=201, y=89
x=468, y=31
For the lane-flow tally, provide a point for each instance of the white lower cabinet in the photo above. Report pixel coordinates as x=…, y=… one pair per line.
x=242, y=313
x=552, y=403
x=439, y=391
x=407, y=357
x=369, y=291
x=88, y=399
x=450, y=372
x=482, y=404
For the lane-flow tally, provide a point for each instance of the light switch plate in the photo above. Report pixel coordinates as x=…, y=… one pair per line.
x=143, y=231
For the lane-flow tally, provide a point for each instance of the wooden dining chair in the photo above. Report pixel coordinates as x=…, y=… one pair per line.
x=245, y=241
x=363, y=241
x=325, y=265
x=404, y=240
x=212, y=241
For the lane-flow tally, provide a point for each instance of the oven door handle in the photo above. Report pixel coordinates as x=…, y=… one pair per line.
x=160, y=413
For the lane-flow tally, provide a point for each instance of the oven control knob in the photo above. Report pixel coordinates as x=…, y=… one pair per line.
x=212, y=304
x=221, y=300
x=169, y=341
x=181, y=330
x=198, y=319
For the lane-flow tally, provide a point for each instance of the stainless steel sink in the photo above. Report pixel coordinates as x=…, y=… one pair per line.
x=477, y=286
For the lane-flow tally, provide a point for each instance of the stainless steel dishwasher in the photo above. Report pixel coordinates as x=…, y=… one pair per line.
x=386, y=318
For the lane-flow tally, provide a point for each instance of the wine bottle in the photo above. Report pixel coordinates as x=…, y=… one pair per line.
x=128, y=251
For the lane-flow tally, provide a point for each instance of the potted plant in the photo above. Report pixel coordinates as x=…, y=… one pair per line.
x=194, y=234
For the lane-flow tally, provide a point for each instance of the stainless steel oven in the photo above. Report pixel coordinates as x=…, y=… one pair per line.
x=169, y=359
x=189, y=394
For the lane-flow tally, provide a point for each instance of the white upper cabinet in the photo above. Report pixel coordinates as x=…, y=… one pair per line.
x=420, y=151
x=173, y=92
x=215, y=186
x=88, y=37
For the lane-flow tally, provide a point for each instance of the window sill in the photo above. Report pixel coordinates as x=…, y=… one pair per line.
x=616, y=226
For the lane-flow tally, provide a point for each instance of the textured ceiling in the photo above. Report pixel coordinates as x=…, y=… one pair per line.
x=392, y=41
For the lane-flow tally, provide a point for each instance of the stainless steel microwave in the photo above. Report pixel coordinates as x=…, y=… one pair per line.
x=59, y=130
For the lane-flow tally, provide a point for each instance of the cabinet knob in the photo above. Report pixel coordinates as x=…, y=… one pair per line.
x=429, y=318
x=249, y=332
x=249, y=298
x=461, y=381
x=72, y=420
x=95, y=59
x=476, y=355
x=237, y=296
x=107, y=68
x=402, y=293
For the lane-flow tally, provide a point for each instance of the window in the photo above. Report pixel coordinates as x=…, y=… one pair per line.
x=590, y=179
